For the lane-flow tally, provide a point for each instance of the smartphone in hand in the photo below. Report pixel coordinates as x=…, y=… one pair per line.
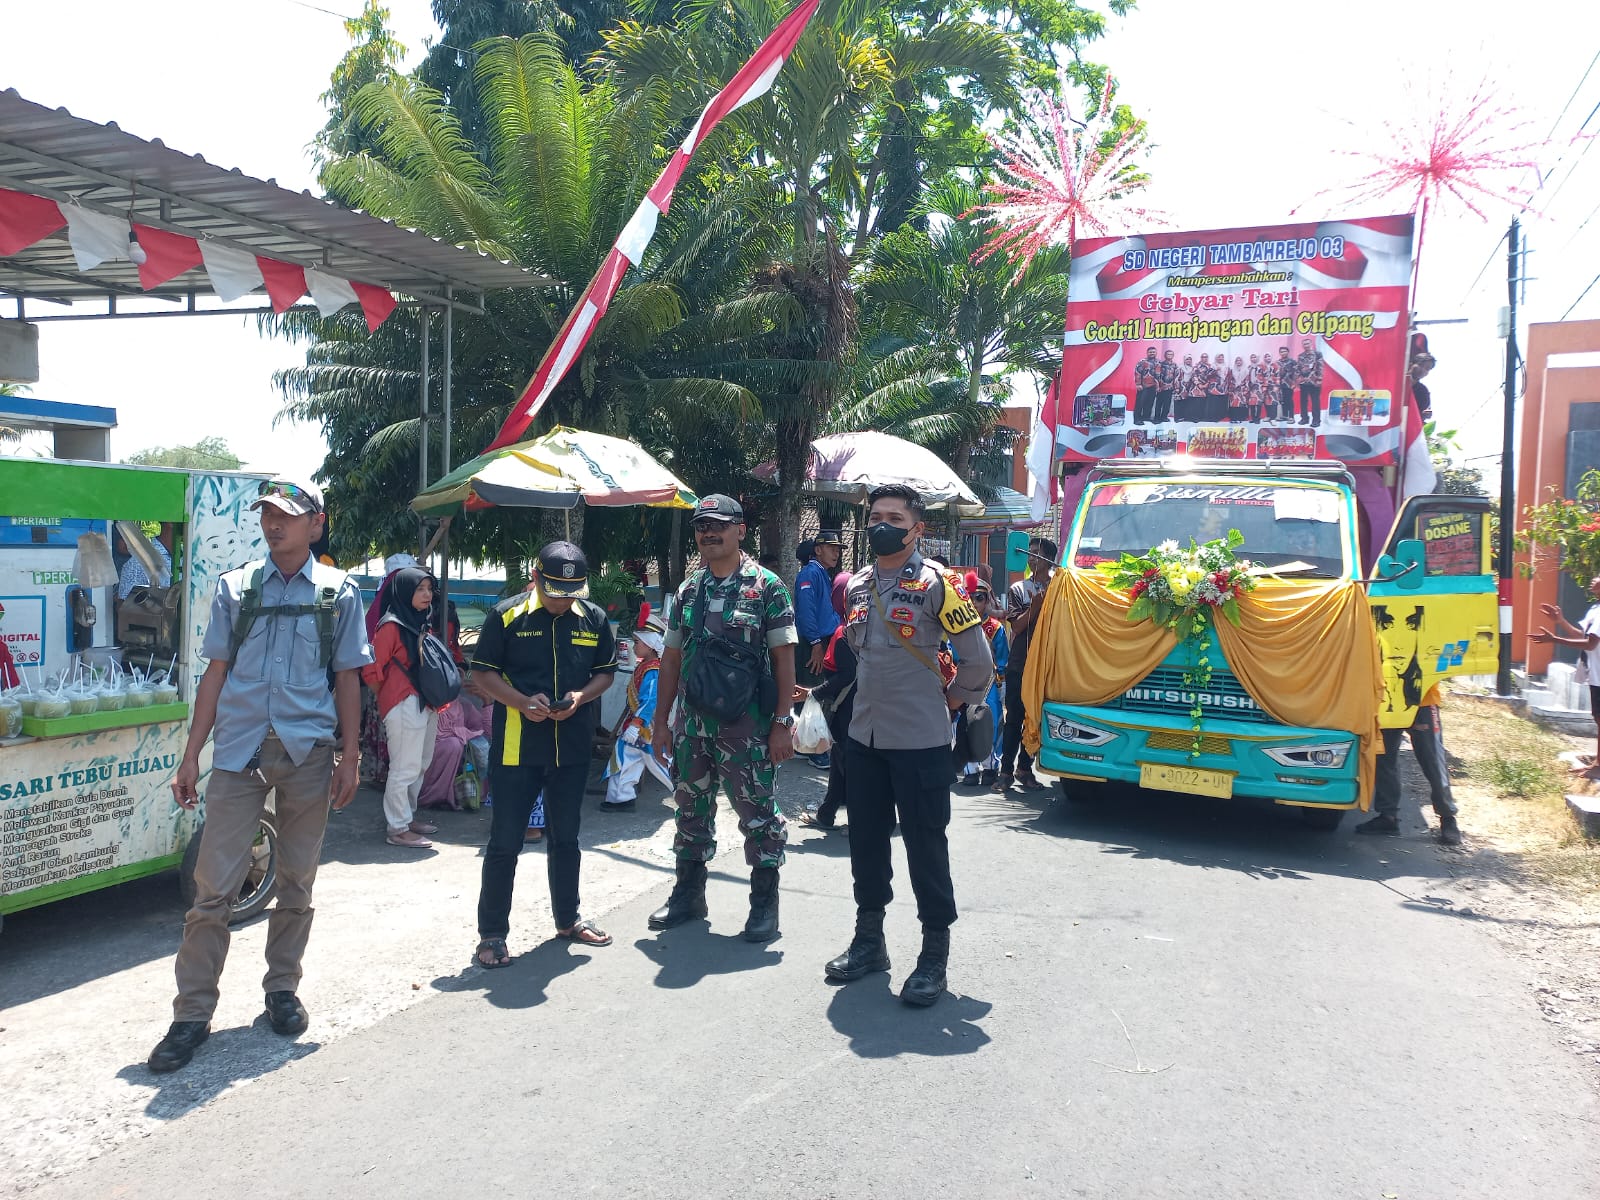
x=560, y=705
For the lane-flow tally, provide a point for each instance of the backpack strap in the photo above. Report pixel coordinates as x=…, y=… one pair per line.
x=249, y=611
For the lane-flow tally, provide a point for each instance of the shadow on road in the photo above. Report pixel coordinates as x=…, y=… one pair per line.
x=879, y=1025
x=688, y=954
x=229, y=1056
x=526, y=982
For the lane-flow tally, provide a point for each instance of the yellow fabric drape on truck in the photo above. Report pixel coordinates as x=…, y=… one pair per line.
x=1306, y=652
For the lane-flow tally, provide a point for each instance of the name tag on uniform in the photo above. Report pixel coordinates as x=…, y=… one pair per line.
x=586, y=639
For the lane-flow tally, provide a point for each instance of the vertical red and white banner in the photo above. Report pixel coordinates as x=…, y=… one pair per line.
x=752, y=81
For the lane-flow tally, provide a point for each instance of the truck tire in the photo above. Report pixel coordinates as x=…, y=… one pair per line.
x=260, y=881
x=1076, y=792
x=1324, y=820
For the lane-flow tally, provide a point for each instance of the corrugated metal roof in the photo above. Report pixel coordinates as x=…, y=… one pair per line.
x=50, y=152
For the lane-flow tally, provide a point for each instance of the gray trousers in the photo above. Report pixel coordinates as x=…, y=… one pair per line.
x=234, y=800
x=1427, y=743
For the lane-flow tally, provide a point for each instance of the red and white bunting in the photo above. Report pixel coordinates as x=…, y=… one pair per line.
x=97, y=238
x=752, y=81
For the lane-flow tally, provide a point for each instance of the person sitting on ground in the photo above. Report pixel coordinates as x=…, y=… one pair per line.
x=1583, y=637
x=409, y=724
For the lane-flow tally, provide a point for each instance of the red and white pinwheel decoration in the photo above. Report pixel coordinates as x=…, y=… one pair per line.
x=1061, y=176
x=1458, y=146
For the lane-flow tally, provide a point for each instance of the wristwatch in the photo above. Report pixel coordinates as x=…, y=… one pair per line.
x=787, y=720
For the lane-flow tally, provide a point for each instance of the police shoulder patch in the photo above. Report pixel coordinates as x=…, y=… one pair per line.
x=956, y=612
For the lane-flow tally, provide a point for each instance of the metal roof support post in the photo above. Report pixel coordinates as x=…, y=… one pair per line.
x=422, y=435
x=446, y=370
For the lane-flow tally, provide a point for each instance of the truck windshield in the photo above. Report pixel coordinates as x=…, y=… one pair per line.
x=1296, y=529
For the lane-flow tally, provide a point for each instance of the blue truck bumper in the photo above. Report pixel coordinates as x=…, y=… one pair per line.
x=1104, y=744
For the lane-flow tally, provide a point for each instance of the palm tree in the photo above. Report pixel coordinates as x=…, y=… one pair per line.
x=806, y=139
x=567, y=161
x=931, y=289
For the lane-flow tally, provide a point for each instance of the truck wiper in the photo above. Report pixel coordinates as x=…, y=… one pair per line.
x=1295, y=568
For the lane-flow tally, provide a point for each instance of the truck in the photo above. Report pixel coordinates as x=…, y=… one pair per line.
x=1431, y=601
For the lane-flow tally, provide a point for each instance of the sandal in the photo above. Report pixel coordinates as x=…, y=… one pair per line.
x=423, y=827
x=410, y=840
x=498, y=955
x=533, y=835
x=585, y=933
x=809, y=820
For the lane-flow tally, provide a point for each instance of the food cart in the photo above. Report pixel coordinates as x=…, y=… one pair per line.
x=84, y=795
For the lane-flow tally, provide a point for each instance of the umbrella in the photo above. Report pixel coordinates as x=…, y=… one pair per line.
x=1009, y=509
x=849, y=465
x=560, y=469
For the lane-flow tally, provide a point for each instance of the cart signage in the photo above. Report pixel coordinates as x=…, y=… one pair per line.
x=1276, y=342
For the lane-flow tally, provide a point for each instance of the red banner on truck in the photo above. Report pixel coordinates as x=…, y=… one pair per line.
x=1277, y=342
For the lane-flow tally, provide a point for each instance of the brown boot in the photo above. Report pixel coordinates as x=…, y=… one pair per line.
x=1029, y=781
x=1002, y=785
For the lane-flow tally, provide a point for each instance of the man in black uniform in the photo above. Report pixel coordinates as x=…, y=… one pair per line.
x=545, y=657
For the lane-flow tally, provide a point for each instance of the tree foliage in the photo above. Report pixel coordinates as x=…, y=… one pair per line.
x=208, y=454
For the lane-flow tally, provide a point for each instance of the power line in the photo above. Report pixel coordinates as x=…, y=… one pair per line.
x=1581, y=295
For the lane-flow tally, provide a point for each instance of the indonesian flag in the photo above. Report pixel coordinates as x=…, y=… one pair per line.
x=752, y=81
x=1417, y=478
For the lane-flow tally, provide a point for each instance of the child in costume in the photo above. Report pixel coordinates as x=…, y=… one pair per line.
x=986, y=772
x=631, y=756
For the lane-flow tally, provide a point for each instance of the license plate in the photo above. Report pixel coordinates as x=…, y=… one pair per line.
x=1194, y=780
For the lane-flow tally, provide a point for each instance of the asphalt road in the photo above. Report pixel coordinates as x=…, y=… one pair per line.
x=1152, y=997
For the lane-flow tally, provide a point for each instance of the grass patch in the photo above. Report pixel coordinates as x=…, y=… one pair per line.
x=1516, y=777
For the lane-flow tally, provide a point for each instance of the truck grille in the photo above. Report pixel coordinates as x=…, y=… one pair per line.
x=1162, y=691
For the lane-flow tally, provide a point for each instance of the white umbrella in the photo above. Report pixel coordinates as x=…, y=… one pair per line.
x=849, y=465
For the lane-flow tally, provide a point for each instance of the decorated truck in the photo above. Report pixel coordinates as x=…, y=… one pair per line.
x=92, y=734
x=1253, y=578
x=1282, y=697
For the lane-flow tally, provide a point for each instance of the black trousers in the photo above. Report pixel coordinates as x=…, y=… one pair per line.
x=1427, y=743
x=1163, y=407
x=915, y=786
x=1012, y=751
x=515, y=790
x=1311, y=402
x=1285, y=401
x=1144, y=402
x=839, y=727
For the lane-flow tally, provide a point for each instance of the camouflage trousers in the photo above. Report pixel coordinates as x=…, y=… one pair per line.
x=702, y=766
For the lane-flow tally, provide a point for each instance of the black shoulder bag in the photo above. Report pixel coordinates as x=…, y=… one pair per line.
x=723, y=677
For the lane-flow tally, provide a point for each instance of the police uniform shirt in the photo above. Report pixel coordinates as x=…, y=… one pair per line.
x=539, y=653
x=900, y=700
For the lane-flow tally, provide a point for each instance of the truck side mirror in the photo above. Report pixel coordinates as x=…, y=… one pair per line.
x=1016, y=552
x=1404, y=567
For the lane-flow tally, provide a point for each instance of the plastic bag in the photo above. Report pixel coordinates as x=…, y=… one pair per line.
x=811, y=730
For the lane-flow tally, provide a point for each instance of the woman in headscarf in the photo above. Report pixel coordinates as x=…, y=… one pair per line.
x=374, y=744
x=409, y=724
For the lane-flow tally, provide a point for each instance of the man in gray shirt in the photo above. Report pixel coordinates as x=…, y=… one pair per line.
x=899, y=612
x=280, y=631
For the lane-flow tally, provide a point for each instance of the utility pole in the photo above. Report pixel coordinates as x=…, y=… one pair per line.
x=1508, y=483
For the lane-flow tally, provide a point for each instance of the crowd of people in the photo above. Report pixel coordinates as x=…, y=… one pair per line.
x=912, y=662
x=897, y=652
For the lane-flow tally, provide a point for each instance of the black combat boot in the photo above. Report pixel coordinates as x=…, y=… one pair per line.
x=763, y=923
x=688, y=899
x=926, y=984
x=867, y=952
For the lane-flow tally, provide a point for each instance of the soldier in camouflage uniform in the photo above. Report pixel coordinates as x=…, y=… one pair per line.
x=734, y=598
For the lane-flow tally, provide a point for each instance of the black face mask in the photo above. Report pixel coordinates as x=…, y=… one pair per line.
x=885, y=538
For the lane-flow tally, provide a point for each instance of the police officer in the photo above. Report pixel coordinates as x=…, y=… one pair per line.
x=731, y=598
x=899, y=610
x=545, y=657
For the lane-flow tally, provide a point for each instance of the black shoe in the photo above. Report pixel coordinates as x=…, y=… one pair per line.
x=970, y=779
x=287, y=1014
x=1449, y=831
x=688, y=899
x=926, y=984
x=867, y=952
x=1382, y=823
x=987, y=778
x=763, y=923
x=625, y=806
x=178, y=1047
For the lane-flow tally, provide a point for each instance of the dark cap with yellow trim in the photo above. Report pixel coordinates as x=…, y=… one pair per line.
x=563, y=571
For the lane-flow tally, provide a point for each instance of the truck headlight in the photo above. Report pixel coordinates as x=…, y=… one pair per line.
x=1063, y=730
x=1330, y=755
